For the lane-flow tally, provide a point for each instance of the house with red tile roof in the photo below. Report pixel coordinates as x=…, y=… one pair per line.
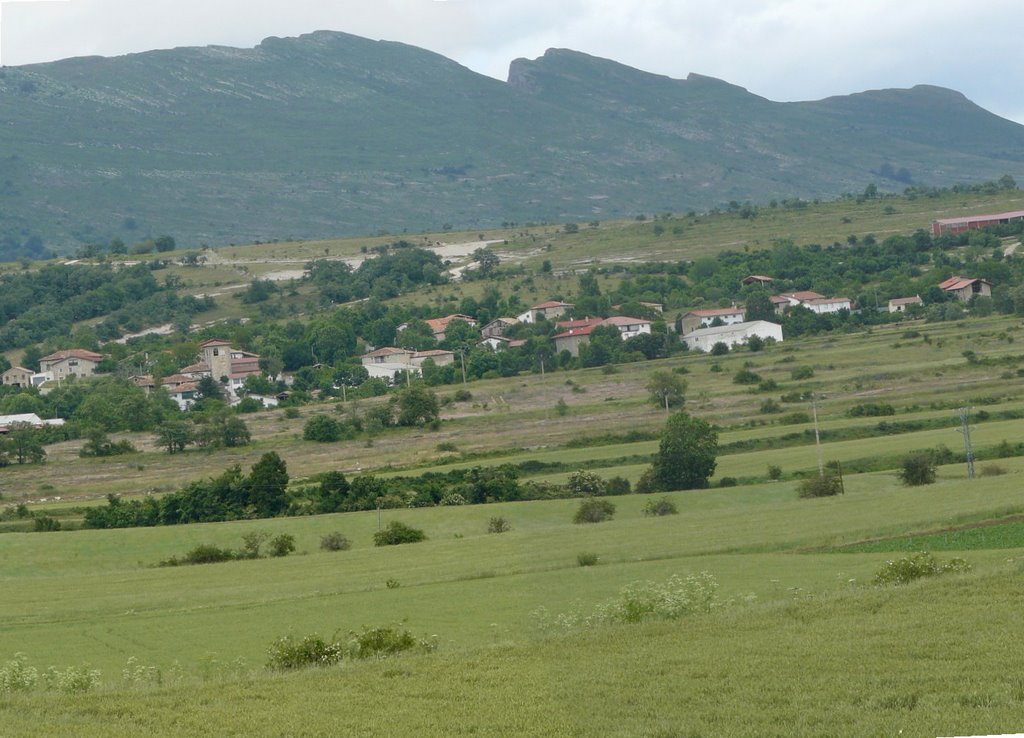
x=546, y=310
x=964, y=288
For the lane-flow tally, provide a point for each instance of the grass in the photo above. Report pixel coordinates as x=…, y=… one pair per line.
x=973, y=538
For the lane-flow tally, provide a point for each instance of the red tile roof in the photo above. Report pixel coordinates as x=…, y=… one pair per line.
x=958, y=283
x=73, y=354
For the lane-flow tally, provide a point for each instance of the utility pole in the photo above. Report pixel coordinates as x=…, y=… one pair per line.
x=817, y=438
x=965, y=428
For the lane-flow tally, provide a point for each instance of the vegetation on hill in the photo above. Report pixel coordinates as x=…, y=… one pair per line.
x=617, y=142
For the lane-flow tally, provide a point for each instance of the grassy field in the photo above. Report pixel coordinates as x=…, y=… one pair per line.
x=801, y=642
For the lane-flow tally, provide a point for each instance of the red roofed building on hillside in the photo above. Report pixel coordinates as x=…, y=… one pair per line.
x=546, y=310
x=967, y=287
x=973, y=222
x=70, y=363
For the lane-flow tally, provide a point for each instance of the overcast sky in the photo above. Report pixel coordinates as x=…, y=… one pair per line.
x=781, y=49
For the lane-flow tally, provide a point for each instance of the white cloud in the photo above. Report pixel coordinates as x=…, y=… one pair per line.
x=782, y=49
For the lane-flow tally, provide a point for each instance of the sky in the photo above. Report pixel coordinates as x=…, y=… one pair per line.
x=780, y=49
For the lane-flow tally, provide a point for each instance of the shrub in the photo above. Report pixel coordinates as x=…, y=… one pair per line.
x=825, y=485
x=594, y=511
x=293, y=653
x=638, y=601
x=617, y=486
x=322, y=428
x=561, y=408
x=769, y=407
x=659, y=507
x=498, y=524
x=727, y=482
x=918, y=469
x=463, y=395
x=916, y=566
x=282, y=545
x=336, y=541
x=720, y=349
x=801, y=372
x=745, y=376
x=291, y=412
x=73, y=679
x=206, y=553
x=379, y=643
x=45, y=524
x=795, y=418
x=586, y=559
x=397, y=533
x=583, y=483
x=17, y=676
x=992, y=470
x=774, y=472
x=871, y=409
x=251, y=543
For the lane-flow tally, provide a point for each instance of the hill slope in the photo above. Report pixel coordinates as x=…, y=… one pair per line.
x=331, y=134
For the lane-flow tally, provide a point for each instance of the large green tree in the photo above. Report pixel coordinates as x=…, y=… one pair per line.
x=686, y=454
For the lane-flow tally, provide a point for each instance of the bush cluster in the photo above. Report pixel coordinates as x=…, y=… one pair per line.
x=397, y=533
x=660, y=506
x=290, y=652
x=594, y=511
x=916, y=566
x=638, y=601
x=207, y=553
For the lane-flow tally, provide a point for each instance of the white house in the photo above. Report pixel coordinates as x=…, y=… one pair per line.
x=900, y=304
x=546, y=310
x=823, y=305
x=735, y=334
x=386, y=362
x=628, y=327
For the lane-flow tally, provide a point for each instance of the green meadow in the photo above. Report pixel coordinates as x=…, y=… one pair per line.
x=800, y=642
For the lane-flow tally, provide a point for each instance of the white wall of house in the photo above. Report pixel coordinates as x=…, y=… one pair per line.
x=736, y=334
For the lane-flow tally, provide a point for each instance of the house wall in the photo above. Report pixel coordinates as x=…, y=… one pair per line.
x=69, y=368
x=739, y=335
x=692, y=322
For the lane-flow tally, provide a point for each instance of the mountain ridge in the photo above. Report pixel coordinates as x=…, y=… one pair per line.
x=331, y=134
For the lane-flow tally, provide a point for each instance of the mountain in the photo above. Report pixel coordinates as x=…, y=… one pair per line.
x=330, y=134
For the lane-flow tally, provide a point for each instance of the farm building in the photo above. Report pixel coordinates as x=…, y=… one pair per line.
x=964, y=288
x=973, y=222
x=704, y=339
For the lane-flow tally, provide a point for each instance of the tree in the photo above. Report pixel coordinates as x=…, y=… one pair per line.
x=488, y=261
x=164, y=243
x=322, y=428
x=918, y=469
x=417, y=405
x=22, y=443
x=175, y=435
x=207, y=388
x=686, y=454
x=267, y=485
x=666, y=388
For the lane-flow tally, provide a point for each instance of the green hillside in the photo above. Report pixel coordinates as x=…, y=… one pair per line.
x=330, y=134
